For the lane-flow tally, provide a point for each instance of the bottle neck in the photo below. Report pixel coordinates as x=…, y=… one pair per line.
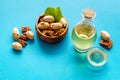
x=87, y=21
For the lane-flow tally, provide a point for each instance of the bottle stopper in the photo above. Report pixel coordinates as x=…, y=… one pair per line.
x=89, y=13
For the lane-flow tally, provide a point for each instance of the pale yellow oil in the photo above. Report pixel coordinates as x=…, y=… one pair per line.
x=83, y=36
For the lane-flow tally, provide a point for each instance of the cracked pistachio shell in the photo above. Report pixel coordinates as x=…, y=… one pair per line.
x=16, y=33
x=105, y=35
x=30, y=34
x=63, y=21
x=48, y=18
x=56, y=25
x=17, y=46
x=43, y=25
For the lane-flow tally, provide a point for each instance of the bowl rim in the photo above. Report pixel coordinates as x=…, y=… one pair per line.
x=102, y=52
x=39, y=32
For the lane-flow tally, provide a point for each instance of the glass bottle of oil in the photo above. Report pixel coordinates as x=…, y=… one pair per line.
x=84, y=33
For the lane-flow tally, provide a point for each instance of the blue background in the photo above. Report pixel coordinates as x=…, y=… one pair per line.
x=43, y=61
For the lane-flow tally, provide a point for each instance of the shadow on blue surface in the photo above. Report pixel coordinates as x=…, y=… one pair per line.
x=52, y=48
x=17, y=52
x=31, y=41
x=81, y=67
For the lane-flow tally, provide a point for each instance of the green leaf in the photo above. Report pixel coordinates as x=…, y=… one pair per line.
x=57, y=14
x=49, y=11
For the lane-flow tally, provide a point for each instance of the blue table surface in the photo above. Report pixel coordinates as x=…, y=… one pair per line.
x=43, y=61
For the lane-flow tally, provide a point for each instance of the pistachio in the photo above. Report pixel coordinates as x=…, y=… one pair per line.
x=61, y=30
x=105, y=35
x=43, y=25
x=16, y=33
x=30, y=34
x=63, y=21
x=56, y=25
x=48, y=32
x=49, y=18
x=16, y=45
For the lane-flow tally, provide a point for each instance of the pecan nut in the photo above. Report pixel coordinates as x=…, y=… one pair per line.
x=22, y=42
x=25, y=29
x=24, y=37
x=106, y=44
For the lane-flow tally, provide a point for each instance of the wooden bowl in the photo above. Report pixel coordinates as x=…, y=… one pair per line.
x=50, y=39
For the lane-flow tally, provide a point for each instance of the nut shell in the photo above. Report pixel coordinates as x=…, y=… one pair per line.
x=30, y=34
x=48, y=18
x=105, y=35
x=25, y=29
x=22, y=42
x=43, y=25
x=16, y=33
x=106, y=44
x=63, y=21
x=56, y=25
x=24, y=37
x=16, y=46
x=48, y=32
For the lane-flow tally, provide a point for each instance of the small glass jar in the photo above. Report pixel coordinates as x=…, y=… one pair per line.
x=96, y=58
x=84, y=33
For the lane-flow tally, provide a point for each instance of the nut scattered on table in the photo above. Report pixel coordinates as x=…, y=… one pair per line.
x=22, y=42
x=24, y=37
x=105, y=35
x=30, y=34
x=27, y=34
x=17, y=46
x=106, y=42
x=16, y=33
x=25, y=29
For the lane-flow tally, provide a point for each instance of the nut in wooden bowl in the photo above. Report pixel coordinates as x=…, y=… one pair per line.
x=51, y=31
